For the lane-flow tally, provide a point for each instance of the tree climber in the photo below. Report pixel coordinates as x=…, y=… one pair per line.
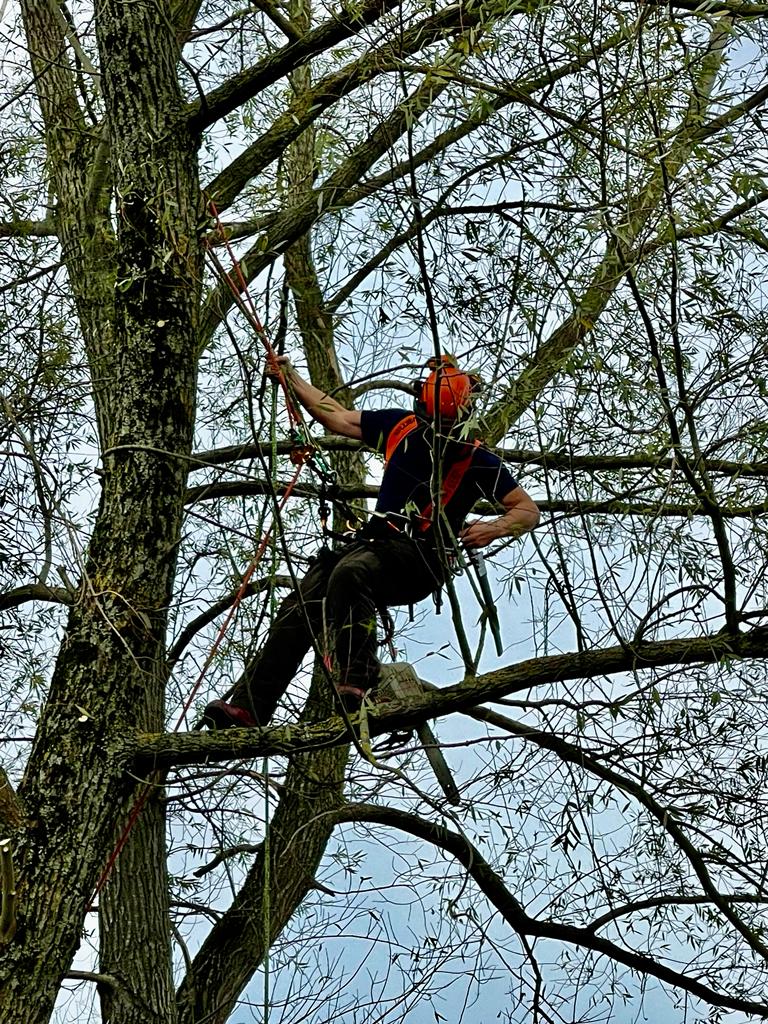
x=400, y=556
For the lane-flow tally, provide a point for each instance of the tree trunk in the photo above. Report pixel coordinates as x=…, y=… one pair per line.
x=134, y=931
x=238, y=945
x=110, y=676
x=298, y=835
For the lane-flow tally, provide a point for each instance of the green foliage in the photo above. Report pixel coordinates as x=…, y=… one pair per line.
x=599, y=257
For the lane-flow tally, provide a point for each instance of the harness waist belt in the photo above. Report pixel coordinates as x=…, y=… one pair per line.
x=383, y=525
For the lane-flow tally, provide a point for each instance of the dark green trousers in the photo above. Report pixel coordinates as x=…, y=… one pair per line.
x=354, y=582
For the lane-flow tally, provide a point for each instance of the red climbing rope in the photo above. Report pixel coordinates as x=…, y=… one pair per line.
x=239, y=596
x=145, y=793
x=245, y=303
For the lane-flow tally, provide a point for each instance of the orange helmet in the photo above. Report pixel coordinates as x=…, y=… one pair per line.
x=447, y=392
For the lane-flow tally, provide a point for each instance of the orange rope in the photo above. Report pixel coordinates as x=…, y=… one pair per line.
x=248, y=309
x=144, y=795
x=246, y=305
x=239, y=596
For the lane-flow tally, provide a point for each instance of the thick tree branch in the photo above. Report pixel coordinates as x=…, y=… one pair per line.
x=80, y=178
x=731, y=116
x=28, y=229
x=182, y=15
x=191, y=630
x=265, y=6
x=672, y=900
x=47, y=42
x=28, y=278
x=302, y=281
x=299, y=833
x=35, y=592
x=341, y=25
x=311, y=104
x=620, y=251
x=665, y=815
x=707, y=228
x=98, y=979
x=271, y=10
x=557, y=460
x=611, y=506
x=224, y=855
x=291, y=224
x=149, y=753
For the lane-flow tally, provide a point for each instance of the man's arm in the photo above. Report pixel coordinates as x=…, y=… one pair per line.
x=321, y=407
x=521, y=515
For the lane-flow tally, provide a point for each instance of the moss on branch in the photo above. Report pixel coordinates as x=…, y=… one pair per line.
x=160, y=752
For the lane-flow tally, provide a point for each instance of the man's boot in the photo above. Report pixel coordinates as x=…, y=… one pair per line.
x=220, y=715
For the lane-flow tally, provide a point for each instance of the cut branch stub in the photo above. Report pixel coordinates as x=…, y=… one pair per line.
x=8, y=888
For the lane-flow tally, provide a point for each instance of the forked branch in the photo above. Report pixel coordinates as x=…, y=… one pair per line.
x=495, y=890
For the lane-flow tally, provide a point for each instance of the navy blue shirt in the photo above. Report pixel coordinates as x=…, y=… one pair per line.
x=405, y=486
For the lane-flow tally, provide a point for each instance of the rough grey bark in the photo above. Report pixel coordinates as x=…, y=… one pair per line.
x=110, y=673
x=134, y=930
x=158, y=272
x=235, y=947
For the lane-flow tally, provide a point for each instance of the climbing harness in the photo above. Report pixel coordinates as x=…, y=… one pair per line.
x=424, y=519
x=328, y=496
x=452, y=479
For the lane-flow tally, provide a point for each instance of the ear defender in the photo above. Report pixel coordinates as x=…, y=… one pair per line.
x=447, y=392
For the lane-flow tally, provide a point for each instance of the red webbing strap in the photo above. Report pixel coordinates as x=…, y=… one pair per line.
x=401, y=430
x=453, y=478
x=451, y=483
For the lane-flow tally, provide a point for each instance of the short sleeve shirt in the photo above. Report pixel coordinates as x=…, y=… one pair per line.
x=405, y=486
